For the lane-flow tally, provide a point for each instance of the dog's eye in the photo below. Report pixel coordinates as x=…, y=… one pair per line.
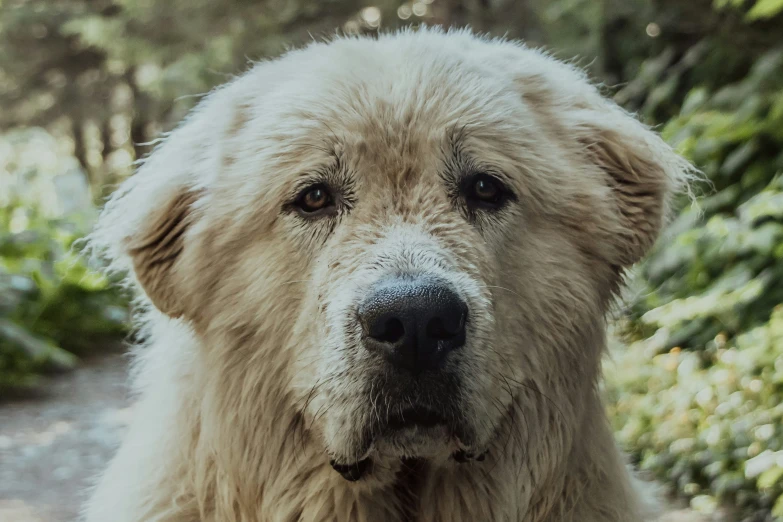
x=315, y=199
x=485, y=191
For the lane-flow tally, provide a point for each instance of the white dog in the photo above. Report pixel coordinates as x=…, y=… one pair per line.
x=375, y=274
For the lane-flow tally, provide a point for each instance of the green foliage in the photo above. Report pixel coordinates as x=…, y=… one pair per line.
x=710, y=422
x=706, y=414
x=52, y=306
x=765, y=9
x=760, y=9
x=722, y=270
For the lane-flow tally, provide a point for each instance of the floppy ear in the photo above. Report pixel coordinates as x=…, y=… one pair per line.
x=642, y=171
x=157, y=247
x=146, y=229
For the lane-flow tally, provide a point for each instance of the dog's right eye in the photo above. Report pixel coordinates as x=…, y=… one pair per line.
x=486, y=192
x=315, y=200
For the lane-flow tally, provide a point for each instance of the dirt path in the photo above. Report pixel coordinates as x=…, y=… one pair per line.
x=51, y=446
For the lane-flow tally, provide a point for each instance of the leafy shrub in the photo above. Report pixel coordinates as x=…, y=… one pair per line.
x=710, y=422
x=52, y=307
x=707, y=414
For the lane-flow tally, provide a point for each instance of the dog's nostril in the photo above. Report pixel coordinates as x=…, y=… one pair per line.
x=436, y=329
x=392, y=333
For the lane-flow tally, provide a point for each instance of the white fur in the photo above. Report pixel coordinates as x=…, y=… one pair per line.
x=253, y=376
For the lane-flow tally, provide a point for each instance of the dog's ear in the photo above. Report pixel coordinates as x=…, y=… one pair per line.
x=157, y=247
x=639, y=173
x=146, y=229
x=642, y=171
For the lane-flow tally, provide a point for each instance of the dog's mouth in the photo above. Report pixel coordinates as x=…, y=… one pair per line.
x=407, y=432
x=416, y=417
x=419, y=419
x=415, y=433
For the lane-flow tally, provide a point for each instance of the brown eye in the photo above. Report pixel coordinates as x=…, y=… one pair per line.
x=314, y=199
x=485, y=191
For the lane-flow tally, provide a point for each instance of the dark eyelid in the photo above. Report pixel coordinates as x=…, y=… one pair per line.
x=307, y=183
x=460, y=168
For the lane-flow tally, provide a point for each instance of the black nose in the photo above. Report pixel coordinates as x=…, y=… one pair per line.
x=415, y=323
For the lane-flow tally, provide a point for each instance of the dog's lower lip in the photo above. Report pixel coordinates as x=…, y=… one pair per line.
x=422, y=417
x=463, y=456
x=351, y=472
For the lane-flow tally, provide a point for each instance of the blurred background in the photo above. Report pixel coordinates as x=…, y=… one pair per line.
x=695, y=383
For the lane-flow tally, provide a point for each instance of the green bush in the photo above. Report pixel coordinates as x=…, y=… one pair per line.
x=709, y=422
x=52, y=307
x=707, y=413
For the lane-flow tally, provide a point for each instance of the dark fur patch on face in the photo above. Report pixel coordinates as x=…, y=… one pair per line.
x=408, y=400
x=156, y=251
x=407, y=486
x=639, y=186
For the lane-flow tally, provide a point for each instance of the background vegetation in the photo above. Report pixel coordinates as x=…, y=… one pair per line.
x=696, y=390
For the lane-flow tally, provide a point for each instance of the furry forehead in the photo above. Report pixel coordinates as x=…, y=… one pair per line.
x=428, y=79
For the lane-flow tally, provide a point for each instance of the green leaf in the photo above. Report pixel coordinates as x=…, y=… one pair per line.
x=770, y=477
x=765, y=9
x=777, y=509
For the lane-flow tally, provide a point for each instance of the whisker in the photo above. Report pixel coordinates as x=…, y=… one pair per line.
x=542, y=394
x=506, y=289
x=297, y=281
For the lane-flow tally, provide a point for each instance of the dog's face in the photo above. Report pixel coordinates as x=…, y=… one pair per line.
x=416, y=239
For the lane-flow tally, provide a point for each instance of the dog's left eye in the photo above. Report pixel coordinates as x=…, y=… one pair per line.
x=485, y=191
x=315, y=200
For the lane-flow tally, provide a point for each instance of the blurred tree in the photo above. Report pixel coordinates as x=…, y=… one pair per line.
x=111, y=75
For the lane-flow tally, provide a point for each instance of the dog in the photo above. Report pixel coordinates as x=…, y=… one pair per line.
x=374, y=279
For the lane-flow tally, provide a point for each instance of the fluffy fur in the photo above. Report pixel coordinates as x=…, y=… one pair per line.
x=253, y=376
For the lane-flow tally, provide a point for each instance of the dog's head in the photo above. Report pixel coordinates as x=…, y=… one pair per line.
x=407, y=239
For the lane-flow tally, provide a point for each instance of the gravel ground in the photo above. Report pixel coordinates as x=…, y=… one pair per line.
x=52, y=445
